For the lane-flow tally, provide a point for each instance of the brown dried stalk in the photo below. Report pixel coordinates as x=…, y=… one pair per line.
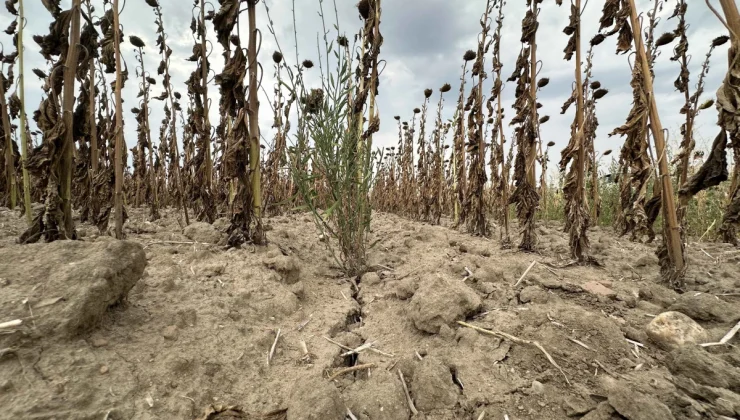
x=499, y=183
x=437, y=179
x=574, y=190
x=422, y=167
x=51, y=161
x=198, y=158
x=277, y=188
x=458, y=151
x=7, y=142
x=671, y=252
x=525, y=194
x=168, y=139
x=120, y=144
x=474, y=207
x=258, y=235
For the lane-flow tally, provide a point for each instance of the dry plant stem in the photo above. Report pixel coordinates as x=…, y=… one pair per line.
x=525, y=273
x=148, y=132
x=9, y=167
x=274, y=346
x=727, y=337
x=173, y=125
x=11, y=324
x=410, y=402
x=118, y=154
x=206, y=119
x=504, y=180
x=94, y=159
x=574, y=190
x=24, y=133
x=532, y=152
x=671, y=231
x=518, y=341
x=66, y=169
x=253, y=112
x=351, y=369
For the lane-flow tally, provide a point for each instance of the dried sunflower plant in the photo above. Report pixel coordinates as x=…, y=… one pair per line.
x=339, y=118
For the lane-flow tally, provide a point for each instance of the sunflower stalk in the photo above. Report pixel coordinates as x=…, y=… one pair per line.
x=671, y=253
x=577, y=217
x=23, y=129
x=170, y=112
x=10, y=181
x=474, y=204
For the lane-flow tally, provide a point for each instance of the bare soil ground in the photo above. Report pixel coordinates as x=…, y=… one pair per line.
x=195, y=333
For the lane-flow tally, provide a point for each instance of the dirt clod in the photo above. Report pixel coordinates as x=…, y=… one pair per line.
x=533, y=294
x=288, y=267
x=432, y=386
x=441, y=301
x=202, y=232
x=82, y=279
x=696, y=363
x=315, y=398
x=637, y=406
x=705, y=307
x=170, y=333
x=380, y=397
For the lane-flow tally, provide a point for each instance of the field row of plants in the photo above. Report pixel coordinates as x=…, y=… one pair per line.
x=321, y=157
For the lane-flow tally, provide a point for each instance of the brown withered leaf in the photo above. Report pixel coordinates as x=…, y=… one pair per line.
x=224, y=21
x=609, y=14
x=730, y=221
x=529, y=27
x=712, y=172
x=12, y=27
x=10, y=5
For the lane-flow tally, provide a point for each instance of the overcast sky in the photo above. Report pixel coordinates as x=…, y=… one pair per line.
x=424, y=44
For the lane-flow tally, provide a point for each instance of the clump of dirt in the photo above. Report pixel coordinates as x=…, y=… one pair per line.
x=440, y=302
x=64, y=288
x=277, y=332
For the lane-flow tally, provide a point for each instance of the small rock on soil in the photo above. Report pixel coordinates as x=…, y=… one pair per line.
x=673, y=329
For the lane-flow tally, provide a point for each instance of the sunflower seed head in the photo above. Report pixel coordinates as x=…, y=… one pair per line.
x=277, y=57
x=600, y=93
x=598, y=39
x=445, y=88
x=665, y=39
x=136, y=41
x=307, y=64
x=428, y=93
x=364, y=8
x=708, y=103
x=469, y=55
x=720, y=40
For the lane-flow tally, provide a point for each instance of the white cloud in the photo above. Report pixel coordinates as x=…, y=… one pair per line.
x=424, y=43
